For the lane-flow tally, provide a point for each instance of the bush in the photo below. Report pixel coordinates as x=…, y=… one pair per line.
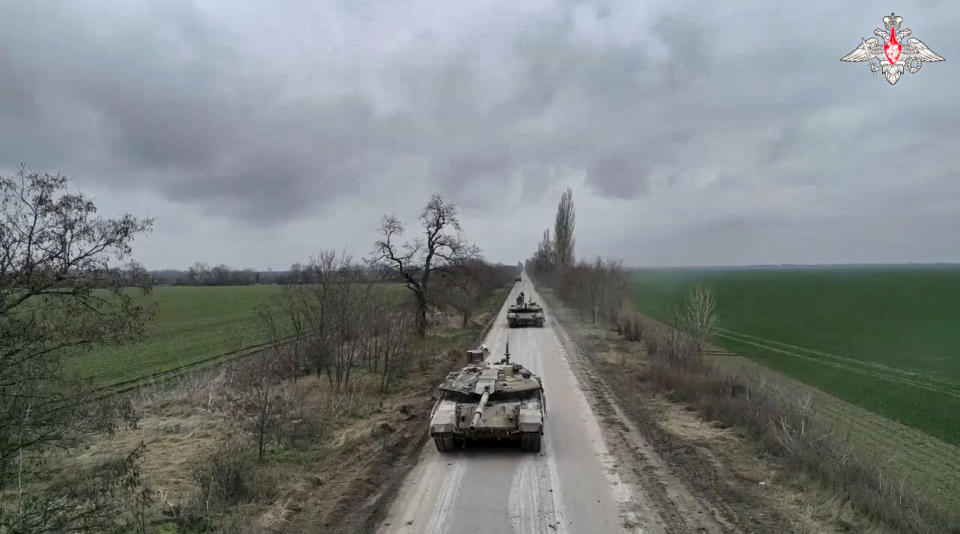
x=780, y=420
x=231, y=475
x=109, y=498
x=674, y=348
x=629, y=325
x=305, y=424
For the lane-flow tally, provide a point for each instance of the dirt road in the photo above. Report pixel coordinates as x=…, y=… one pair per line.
x=572, y=486
x=645, y=464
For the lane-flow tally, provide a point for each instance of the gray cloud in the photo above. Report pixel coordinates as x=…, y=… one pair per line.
x=689, y=122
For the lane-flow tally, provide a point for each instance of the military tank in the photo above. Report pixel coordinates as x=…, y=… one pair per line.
x=489, y=401
x=525, y=313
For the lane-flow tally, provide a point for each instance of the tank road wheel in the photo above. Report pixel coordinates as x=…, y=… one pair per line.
x=540, y=323
x=530, y=441
x=444, y=442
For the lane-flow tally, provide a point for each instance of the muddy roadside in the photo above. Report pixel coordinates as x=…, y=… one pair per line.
x=355, y=447
x=696, y=475
x=363, y=503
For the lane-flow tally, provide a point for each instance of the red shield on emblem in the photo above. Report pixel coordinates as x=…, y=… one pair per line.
x=892, y=48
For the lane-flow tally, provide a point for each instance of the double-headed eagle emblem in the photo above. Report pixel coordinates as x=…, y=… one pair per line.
x=893, y=56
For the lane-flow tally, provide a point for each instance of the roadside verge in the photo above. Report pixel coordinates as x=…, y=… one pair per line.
x=741, y=486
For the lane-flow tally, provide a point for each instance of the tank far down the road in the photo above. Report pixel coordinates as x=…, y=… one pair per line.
x=489, y=401
x=527, y=313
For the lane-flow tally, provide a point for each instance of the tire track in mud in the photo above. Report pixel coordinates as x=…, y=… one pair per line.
x=533, y=510
x=890, y=443
x=622, y=493
x=905, y=452
x=864, y=367
x=535, y=498
x=449, y=490
x=946, y=382
x=552, y=474
x=916, y=457
x=524, y=498
x=620, y=490
x=889, y=377
x=559, y=515
x=660, y=502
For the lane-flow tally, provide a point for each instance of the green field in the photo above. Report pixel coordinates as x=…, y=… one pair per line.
x=885, y=338
x=192, y=323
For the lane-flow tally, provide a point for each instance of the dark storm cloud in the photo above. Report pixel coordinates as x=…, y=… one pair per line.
x=160, y=104
x=165, y=99
x=303, y=111
x=178, y=101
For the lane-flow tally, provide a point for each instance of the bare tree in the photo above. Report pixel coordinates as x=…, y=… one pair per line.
x=462, y=288
x=396, y=346
x=309, y=306
x=677, y=346
x=346, y=321
x=563, y=228
x=699, y=316
x=290, y=308
x=199, y=274
x=599, y=288
x=331, y=319
x=544, y=260
x=416, y=261
x=59, y=296
x=259, y=407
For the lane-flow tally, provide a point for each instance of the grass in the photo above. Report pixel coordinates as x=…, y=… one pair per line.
x=881, y=338
x=901, y=476
x=192, y=323
x=338, y=479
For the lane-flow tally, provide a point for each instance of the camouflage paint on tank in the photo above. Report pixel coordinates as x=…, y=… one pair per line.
x=486, y=400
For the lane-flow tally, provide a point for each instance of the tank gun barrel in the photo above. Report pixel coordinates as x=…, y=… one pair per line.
x=478, y=412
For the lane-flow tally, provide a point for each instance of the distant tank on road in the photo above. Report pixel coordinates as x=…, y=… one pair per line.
x=527, y=313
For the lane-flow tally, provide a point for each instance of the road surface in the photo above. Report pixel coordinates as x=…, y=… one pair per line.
x=571, y=486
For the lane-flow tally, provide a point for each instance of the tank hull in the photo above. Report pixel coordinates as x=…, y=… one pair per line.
x=525, y=315
x=501, y=420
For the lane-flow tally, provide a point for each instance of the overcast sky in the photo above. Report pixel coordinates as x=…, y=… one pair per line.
x=260, y=133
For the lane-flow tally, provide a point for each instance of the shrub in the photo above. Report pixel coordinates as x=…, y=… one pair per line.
x=781, y=421
x=231, y=475
x=628, y=324
x=675, y=348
